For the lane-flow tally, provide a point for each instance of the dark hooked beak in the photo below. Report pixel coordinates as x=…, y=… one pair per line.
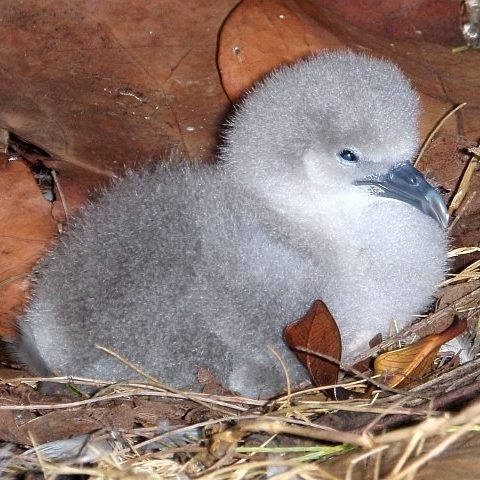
x=405, y=183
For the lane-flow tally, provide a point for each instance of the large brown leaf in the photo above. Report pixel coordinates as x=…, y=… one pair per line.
x=105, y=85
x=317, y=332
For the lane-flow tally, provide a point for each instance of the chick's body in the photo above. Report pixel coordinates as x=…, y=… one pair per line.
x=182, y=266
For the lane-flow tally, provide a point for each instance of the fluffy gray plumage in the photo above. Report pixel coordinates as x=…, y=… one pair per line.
x=189, y=266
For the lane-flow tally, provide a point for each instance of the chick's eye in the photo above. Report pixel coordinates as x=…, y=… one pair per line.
x=348, y=156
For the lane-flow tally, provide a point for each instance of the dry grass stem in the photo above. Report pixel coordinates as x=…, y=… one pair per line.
x=63, y=200
x=435, y=129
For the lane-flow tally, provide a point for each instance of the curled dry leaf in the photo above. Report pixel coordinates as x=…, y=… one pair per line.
x=408, y=365
x=318, y=332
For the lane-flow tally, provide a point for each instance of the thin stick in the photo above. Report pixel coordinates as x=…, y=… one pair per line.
x=160, y=384
x=61, y=195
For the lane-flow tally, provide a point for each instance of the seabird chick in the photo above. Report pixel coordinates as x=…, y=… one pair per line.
x=314, y=197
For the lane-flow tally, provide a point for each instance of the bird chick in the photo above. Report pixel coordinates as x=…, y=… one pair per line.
x=189, y=266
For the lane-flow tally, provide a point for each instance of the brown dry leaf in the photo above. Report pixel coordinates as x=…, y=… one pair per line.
x=449, y=295
x=7, y=374
x=27, y=229
x=148, y=412
x=446, y=158
x=317, y=331
x=60, y=424
x=261, y=35
x=112, y=415
x=408, y=365
x=9, y=429
x=106, y=85
x=435, y=22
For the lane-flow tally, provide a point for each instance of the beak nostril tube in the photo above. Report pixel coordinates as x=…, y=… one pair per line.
x=405, y=183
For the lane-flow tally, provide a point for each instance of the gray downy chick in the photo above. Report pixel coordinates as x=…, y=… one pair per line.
x=187, y=266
